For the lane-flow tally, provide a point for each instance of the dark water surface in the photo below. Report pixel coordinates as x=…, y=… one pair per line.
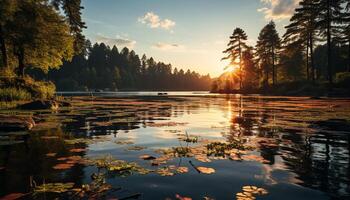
x=287, y=148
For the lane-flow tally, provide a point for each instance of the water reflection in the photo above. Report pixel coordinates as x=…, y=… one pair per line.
x=294, y=139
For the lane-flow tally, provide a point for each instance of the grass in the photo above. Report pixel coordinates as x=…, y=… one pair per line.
x=26, y=88
x=13, y=94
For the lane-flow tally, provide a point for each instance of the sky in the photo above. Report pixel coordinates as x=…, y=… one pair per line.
x=189, y=34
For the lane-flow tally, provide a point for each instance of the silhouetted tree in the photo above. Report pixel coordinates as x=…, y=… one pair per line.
x=236, y=47
x=103, y=67
x=329, y=12
x=267, y=48
x=302, y=30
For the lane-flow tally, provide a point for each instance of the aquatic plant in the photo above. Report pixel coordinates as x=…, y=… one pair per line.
x=53, y=187
x=249, y=193
x=222, y=149
x=120, y=167
x=190, y=139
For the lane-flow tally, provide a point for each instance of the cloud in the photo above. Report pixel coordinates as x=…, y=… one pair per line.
x=154, y=21
x=118, y=41
x=166, y=46
x=278, y=9
x=177, y=48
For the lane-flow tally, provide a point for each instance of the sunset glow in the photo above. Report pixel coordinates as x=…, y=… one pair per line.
x=156, y=27
x=232, y=68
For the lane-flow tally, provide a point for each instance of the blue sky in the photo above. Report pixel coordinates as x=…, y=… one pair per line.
x=186, y=33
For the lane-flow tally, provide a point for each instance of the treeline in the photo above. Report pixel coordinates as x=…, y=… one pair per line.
x=315, y=49
x=102, y=67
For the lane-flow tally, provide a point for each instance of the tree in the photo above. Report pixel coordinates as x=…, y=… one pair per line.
x=40, y=36
x=72, y=9
x=267, y=48
x=345, y=30
x=34, y=33
x=7, y=8
x=329, y=12
x=302, y=30
x=291, y=62
x=250, y=72
x=236, y=47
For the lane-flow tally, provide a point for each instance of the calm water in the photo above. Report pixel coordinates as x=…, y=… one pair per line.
x=292, y=148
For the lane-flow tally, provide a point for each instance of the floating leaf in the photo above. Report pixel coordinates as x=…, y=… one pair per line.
x=147, y=157
x=63, y=166
x=179, y=197
x=13, y=196
x=202, y=158
x=249, y=193
x=77, y=150
x=254, y=158
x=182, y=170
x=165, y=172
x=206, y=170
x=51, y=154
x=70, y=158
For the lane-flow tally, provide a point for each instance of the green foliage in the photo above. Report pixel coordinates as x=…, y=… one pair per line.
x=27, y=85
x=343, y=79
x=47, y=48
x=14, y=94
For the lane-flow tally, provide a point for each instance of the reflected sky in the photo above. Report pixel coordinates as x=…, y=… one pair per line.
x=298, y=147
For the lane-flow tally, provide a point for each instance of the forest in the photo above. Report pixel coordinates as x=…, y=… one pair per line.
x=313, y=54
x=105, y=68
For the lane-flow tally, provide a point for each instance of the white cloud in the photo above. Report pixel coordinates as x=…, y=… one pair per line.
x=166, y=46
x=278, y=9
x=154, y=21
x=177, y=48
x=118, y=41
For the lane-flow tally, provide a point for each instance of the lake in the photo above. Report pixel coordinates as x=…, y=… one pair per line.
x=182, y=146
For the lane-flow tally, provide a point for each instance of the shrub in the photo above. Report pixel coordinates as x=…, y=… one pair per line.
x=36, y=89
x=43, y=90
x=343, y=79
x=14, y=94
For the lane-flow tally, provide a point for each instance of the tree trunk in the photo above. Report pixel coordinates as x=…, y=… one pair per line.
x=240, y=65
x=20, y=57
x=312, y=58
x=307, y=59
x=273, y=67
x=267, y=79
x=329, y=47
x=3, y=49
x=349, y=56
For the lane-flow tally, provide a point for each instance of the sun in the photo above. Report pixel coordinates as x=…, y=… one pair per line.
x=232, y=68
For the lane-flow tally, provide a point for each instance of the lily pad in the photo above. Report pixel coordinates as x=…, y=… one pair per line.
x=77, y=150
x=147, y=157
x=206, y=170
